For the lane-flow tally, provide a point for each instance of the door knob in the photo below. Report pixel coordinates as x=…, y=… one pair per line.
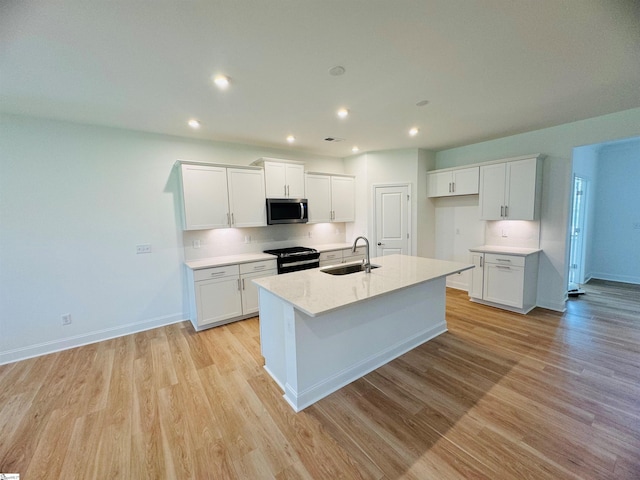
x=380, y=243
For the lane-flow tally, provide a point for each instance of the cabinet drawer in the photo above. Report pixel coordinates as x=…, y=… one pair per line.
x=215, y=272
x=262, y=266
x=335, y=255
x=512, y=260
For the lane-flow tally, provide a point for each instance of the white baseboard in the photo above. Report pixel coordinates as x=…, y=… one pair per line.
x=45, y=348
x=612, y=277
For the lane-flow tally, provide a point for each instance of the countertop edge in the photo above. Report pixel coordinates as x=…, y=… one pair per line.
x=500, y=250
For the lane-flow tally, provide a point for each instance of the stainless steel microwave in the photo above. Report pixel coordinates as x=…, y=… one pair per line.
x=287, y=210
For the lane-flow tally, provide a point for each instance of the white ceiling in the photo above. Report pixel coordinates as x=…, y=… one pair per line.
x=489, y=68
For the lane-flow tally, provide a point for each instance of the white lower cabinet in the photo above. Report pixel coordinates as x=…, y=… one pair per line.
x=249, y=271
x=220, y=295
x=504, y=281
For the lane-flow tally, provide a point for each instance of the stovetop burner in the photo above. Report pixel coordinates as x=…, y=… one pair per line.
x=291, y=251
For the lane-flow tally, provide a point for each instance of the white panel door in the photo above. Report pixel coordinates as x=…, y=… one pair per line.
x=492, y=191
x=343, y=199
x=477, y=275
x=392, y=220
x=295, y=180
x=250, y=291
x=218, y=300
x=319, y=197
x=275, y=180
x=521, y=190
x=246, y=197
x=465, y=181
x=204, y=194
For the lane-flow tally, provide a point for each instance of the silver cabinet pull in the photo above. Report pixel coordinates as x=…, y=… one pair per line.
x=228, y=219
x=233, y=220
x=238, y=284
x=506, y=210
x=503, y=260
x=481, y=261
x=453, y=187
x=502, y=211
x=243, y=284
x=503, y=267
x=217, y=273
x=258, y=267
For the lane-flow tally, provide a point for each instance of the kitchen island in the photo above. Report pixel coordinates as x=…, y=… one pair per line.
x=319, y=332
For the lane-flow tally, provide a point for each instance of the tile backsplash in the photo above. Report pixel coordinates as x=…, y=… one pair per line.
x=511, y=233
x=200, y=244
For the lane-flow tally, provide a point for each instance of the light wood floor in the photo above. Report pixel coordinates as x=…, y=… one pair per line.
x=499, y=396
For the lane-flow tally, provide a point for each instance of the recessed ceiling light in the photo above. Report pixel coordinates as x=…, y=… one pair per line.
x=337, y=70
x=343, y=113
x=413, y=131
x=221, y=81
x=193, y=123
x=355, y=149
x=291, y=138
x=422, y=103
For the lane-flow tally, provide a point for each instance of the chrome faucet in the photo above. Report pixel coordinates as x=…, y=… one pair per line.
x=367, y=262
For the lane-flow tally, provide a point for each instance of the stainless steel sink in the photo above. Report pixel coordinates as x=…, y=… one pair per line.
x=346, y=269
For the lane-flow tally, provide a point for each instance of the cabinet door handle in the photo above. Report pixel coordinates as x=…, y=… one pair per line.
x=453, y=187
x=259, y=267
x=503, y=260
x=228, y=219
x=506, y=211
x=502, y=211
x=217, y=273
x=233, y=220
x=503, y=267
x=243, y=284
x=238, y=284
x=380, y=243
x=481, y=261
x=285, y=190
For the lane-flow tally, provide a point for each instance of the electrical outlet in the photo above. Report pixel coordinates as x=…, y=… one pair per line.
x=196, y=244
x=66, y=319
x=247, y=239
x=143, y=248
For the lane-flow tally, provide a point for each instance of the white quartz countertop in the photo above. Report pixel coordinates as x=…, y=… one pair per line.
x=521, y=252
x=221, y=261
x=315, y=292
x=228, y=260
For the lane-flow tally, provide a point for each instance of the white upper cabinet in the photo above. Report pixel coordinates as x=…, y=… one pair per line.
x=511, y=190
x=331, y=198
x=204, y=194
x=215, y=196
x=284, y=180
x=343, y=198
x=246, y=197
x=462, y=181
x=319, y=198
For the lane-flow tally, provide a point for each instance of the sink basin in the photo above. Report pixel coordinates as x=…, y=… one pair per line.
x=346, y=269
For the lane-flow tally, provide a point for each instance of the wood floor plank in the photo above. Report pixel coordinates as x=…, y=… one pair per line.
x=500, y=396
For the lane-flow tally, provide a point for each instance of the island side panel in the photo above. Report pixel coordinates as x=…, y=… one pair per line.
x=273, y=311
x=336, y=348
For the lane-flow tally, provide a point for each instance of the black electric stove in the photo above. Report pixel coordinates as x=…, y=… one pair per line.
x=293, y=259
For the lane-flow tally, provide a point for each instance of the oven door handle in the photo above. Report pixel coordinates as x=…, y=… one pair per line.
x=301, y=211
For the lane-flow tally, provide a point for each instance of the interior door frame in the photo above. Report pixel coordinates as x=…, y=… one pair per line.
x=374, y=225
